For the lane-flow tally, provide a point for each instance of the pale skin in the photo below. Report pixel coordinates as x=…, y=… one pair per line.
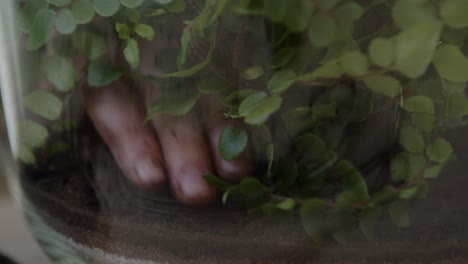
x=170, y=151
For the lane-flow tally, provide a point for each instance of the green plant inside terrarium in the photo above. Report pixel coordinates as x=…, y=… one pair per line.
x=403, y=61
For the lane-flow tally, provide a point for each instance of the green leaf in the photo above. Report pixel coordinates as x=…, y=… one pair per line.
x=232, y=193
x=232, y=142
x=123, y=30
x=352, y=180
x=411, y=139
x=28, y=13
x=330, y=69
x=64, y=22
x=368, y=221
x=102, y=74
x=132, y=53
x=106, y=8
x=252, y=102
x=451, y=63
x=44, y=104
x=212, y=85
x=433, y=172
x=453, y=13
x=59, y=72
x=261, y=113
x=406, y=166
x=276, y=9
x=145, y=31
x=253, y=73
x=439, y=151
x=177, y=106
x=281, y=81
x=270, y=154
x=414, y=48
x=59, y=2
x=282, y=57
x=156, y=13
x=398, y=211
x=298, y=14
x=384, y=85
x=407, y=13
x=237, y=96
x=313, y=215
x=424, y=122
x=400, y=168
x=287, y=204
x=457, y=105
x=311, y=146
x=349, y=12
x=355, y=63
x=418, y=104
x=184, y=42
x=41, y=29
x=89, y=44
x=163, y=2
x=342, y=224
x=194, y=69
x=26, y=155
x=327, y=5
x=382, y=52
x=253, y=189
x=321, y=30
x=324, y=110
x=82, y=11
x=216, y=182
x=32, y=134
x=453, y=87
x=387, y=194
x=131, y=3
x=417, y=191
x=174, y=6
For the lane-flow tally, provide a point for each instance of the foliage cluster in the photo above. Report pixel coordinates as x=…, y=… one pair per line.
x=364, y=56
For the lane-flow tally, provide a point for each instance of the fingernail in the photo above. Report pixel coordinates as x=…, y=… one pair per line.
x=149, y=173
x=194, y=187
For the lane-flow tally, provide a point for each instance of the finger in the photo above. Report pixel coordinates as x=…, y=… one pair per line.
x=187, y=158
x=133, y=144
x=234, y=170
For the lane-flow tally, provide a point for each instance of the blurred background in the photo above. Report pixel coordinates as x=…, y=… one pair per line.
x=16, y=241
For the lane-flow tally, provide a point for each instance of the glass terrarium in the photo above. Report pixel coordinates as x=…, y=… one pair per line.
x=239, y=131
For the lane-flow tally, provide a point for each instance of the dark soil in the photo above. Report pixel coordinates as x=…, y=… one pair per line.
x=89, y=200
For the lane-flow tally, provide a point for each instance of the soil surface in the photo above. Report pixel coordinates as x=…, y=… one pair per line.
x=90, y=201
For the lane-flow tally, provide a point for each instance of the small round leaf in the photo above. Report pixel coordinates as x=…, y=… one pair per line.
x=232, y=142
x=355, y=63
x=453, y=12
x=82, y=11
x=106, y=8
x=451, y=63
x=382, y=52
x=59, y=72
x=132, y=53
x=419, y=104
x=64, y=22
x=439, y=151
x=41, y=29
x=32, y=134
x=411, y=139
x=44, y=104
x=384, y=85
x=281, y=81
x=131, y=3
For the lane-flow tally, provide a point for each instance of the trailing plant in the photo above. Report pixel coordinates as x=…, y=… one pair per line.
x=362, y=57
